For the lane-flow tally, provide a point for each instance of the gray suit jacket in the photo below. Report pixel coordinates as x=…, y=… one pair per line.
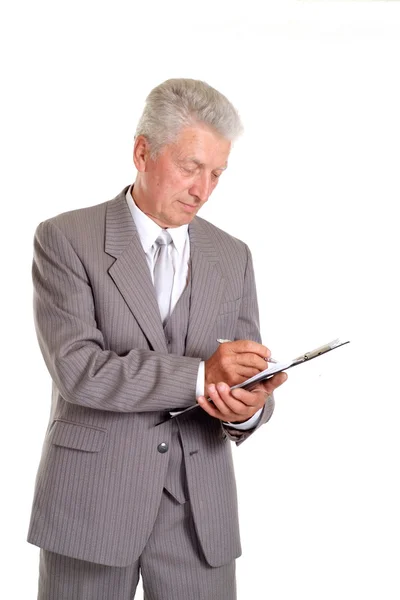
x=101, y=476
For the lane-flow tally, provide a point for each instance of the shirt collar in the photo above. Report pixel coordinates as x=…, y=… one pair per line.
x=149, y=231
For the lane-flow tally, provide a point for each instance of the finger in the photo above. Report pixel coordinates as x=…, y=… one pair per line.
x=251, y=360
x=249, y=346
x=214, y=394
x=234, y=405
x=245, y=372
x=228, y=408
x=239, y=411
x=210, y=408
x=267, y=387
x=270, y=385
x=253, y=399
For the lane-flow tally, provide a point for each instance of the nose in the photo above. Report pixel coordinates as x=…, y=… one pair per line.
x=201, y=187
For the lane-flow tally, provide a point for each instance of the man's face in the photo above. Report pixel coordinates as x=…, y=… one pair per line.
x=174, y=186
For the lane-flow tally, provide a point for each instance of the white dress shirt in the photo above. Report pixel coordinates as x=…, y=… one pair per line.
x=179, y=250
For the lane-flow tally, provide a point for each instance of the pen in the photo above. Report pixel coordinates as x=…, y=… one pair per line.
x=270, y=360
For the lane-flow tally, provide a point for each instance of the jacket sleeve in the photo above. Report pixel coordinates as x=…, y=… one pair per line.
x=248, y=328
x=73, y=347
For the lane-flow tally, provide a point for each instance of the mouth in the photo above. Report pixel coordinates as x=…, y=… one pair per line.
x=189, y=207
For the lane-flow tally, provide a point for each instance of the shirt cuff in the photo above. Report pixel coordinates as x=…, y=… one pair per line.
x=249, y=424
x=200, y=379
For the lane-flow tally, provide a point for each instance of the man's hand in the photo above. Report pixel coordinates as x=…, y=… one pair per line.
x=234, y=362
x=238, y=405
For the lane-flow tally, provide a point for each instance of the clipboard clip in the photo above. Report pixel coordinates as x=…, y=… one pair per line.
x=318, y=351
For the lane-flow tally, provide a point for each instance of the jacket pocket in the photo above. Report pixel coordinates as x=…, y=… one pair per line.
x=76, y=436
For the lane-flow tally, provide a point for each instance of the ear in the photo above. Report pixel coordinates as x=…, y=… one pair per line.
x=141, y=153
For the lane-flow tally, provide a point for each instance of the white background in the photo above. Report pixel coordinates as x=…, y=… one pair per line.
x=312, y=187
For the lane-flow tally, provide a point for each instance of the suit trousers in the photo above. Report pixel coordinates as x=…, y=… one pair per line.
x=172, y=567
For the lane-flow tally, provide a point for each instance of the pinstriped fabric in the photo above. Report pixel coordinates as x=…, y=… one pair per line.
x=79, y=437
x=64, y=578
x=84, y=370
x=175, y=332
x=100, y=480
x=214, y=501
x=172, y=565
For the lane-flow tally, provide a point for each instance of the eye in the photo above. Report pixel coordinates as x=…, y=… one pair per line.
x=188, y=171
x=216, y=175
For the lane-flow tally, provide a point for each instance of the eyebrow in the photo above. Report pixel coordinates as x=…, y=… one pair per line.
x=200, y=164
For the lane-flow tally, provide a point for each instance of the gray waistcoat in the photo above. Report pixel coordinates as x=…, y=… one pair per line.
x=175, y=330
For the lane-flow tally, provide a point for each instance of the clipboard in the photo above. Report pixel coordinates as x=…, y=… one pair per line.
x=277, y=368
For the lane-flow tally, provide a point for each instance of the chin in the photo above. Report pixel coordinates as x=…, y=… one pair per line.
x=183, y=219
x=188, y=219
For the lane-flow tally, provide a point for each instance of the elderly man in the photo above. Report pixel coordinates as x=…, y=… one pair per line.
x=130, y=299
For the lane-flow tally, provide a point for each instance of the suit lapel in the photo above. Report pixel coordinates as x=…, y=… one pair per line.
x=208, y=286
x=130, y=271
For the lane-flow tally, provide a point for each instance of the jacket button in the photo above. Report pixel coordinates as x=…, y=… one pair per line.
x=163, y=447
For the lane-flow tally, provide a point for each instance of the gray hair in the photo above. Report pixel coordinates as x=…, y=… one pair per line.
x=179, y=103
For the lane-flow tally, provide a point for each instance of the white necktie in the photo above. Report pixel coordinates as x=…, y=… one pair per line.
x=163, y=274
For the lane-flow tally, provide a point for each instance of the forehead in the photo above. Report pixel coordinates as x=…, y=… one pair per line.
x=201, y=144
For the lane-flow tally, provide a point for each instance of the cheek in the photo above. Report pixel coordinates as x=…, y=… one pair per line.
x=213, y=185
x=180, y=186
x=170, y=182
